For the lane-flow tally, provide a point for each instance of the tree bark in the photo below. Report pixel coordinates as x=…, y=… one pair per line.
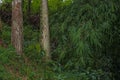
x=17, y=26
x=45, y=40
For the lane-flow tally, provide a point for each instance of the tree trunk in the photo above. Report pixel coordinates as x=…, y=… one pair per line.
x=1, y=33
x=22, y=4
x=0, y=25
x=29, y=9
x=45, y=40
x=17, y=26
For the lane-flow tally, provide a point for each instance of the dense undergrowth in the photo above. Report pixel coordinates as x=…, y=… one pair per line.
x=84, y=43
x=29, y=66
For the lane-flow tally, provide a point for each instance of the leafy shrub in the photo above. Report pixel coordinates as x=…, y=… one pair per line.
x=81, y=35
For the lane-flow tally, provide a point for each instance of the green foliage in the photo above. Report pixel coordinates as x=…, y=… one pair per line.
x=6, y=34
x=56, y=5
x=84, y=42
x=31, y=67
x=81, y=34
x=27, y=66
x=5, y=56
x=35, y=7
x=4, y=1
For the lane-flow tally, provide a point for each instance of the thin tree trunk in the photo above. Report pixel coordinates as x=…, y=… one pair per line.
x=29, y=9
x=0, y=28
x=22, y=4
x=17, y=26
x=0, y=25
x=1, y=33
x=45, y=30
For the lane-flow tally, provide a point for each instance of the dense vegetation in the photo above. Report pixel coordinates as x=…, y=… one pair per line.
x=85, y=42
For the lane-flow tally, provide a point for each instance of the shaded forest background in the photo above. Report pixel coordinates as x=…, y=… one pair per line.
x=84, y=39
